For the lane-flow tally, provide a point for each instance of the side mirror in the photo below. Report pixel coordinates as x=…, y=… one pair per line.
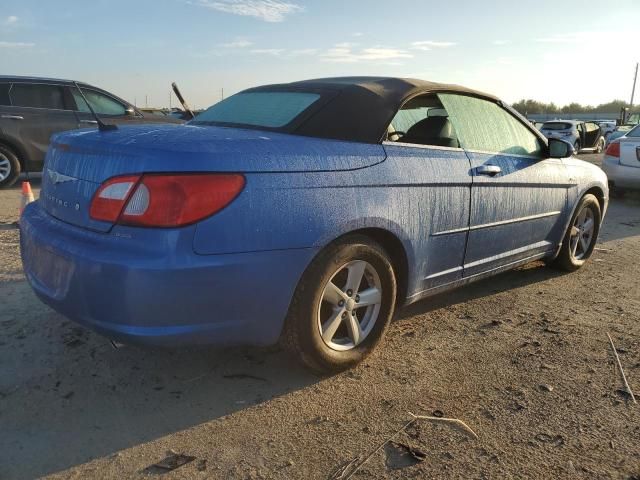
x=130, y=112
x=560, y=149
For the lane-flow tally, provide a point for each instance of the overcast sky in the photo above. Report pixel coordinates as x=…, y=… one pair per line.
x=549, y=50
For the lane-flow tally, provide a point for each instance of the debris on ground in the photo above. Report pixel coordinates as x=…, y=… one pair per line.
x=171, y=462
x=624, y=377
x=399, y=455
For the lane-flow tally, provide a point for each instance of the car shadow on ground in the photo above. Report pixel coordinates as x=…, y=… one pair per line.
x=67, y=396
x=531, y=273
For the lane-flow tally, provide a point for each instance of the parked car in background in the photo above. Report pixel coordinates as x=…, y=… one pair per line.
x=302, y=212
x=584, y=136
x=154, y=111
x=606, y=126
x=622, y=162
x=631, y=121
x=32, y=109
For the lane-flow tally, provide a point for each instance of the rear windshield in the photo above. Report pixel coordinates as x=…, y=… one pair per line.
x=259, y=109
x=556, y=126
x=635, y=132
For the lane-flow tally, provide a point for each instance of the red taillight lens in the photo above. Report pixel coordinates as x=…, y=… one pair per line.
x=613, y=150
x=111, y=197
x=167, y=200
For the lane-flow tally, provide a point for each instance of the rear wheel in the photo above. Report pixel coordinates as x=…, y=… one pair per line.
x=9, y=167
x=576, y=146
x=341, y=306
x=580, y=238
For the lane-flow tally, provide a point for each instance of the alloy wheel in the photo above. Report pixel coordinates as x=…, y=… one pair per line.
x=582, y=233
x=350, y=305
x=5, y=167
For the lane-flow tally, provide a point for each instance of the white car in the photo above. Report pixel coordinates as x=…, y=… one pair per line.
x=622, y=162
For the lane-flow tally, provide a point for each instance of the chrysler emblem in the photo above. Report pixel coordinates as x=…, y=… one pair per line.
x=56, y=177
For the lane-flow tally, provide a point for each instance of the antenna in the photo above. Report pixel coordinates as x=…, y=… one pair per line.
x=103, y=127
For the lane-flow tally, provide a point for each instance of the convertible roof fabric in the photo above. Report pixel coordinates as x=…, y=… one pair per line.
x=357, y=108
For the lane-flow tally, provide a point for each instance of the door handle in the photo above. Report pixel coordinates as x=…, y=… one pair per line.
x=91, y=122
x=490, y=170
x=12, y=117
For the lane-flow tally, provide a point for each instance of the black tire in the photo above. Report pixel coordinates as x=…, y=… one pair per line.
x=576, y=146
x=8, y=159
x=600, y=145
x=302, y=335
x=566, y=259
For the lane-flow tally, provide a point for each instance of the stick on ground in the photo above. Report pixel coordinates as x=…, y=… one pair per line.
x=624, y=377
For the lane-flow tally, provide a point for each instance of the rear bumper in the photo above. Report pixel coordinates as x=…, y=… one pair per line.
x=621, y=176
x=162, y=293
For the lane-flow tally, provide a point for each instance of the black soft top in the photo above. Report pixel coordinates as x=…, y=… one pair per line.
x=357, y=108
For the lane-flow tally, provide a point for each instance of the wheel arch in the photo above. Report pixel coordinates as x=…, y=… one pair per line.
x=599, y=194
x=395, y=248
x=15, y=147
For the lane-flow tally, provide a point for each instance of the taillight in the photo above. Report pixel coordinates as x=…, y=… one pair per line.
x=613, y=150
x=164, y=200
x=108, y=201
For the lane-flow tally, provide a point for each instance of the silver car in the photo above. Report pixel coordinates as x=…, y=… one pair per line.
x=584, y=136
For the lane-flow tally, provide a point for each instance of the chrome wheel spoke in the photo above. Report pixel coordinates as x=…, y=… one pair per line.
x=333, y=294
x=355, y=331
x=330, y=327
x=370, y=296
x=587, y=226
x=584, y=244
x=356, y=272
x=574, y=244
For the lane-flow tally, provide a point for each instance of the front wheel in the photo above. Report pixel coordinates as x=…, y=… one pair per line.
x=341, y=306
x=600, y=145
x=580, y=238
x=576, y=147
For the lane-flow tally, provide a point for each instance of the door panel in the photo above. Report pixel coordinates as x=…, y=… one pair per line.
x=518, y=199
x=516, y=213
x=441, y=187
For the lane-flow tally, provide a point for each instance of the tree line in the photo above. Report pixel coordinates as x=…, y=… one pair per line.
x=527, y=107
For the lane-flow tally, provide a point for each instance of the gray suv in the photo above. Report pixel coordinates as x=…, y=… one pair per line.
x=32, y=109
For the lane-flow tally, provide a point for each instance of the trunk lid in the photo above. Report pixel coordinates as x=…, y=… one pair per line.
x=79, y=161
x=630, y=151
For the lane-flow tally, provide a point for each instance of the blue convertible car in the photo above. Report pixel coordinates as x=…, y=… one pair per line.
x=301, y=212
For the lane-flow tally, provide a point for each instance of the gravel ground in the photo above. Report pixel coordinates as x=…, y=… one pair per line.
x=522, y=358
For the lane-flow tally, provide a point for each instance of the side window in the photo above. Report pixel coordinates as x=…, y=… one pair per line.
x=423, y=121
x=486, y=126
x=102, y=104
x=4, y=94
x=591, y=127
x=37, y=96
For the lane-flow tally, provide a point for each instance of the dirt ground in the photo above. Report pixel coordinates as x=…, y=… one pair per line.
x=522, y=358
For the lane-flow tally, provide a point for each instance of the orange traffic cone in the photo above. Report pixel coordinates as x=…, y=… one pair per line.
x=27, y=196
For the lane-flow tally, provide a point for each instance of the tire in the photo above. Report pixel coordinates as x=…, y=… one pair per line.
x=600, y=145
x=576, y=146
x=314, y=303
x=573, y=253
x=9, y=167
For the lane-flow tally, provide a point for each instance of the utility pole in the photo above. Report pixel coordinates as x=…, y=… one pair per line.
x=146, y=101
x=633, y=90
x=169, y=99
x=222, y=94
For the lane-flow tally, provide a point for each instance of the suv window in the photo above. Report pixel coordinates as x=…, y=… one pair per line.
x=102, y=104
x=4, y=94
x=423, y=121
x=37, y=96
x=486, y=126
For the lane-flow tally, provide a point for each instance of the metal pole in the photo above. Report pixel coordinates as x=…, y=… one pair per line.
x=633, y=90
